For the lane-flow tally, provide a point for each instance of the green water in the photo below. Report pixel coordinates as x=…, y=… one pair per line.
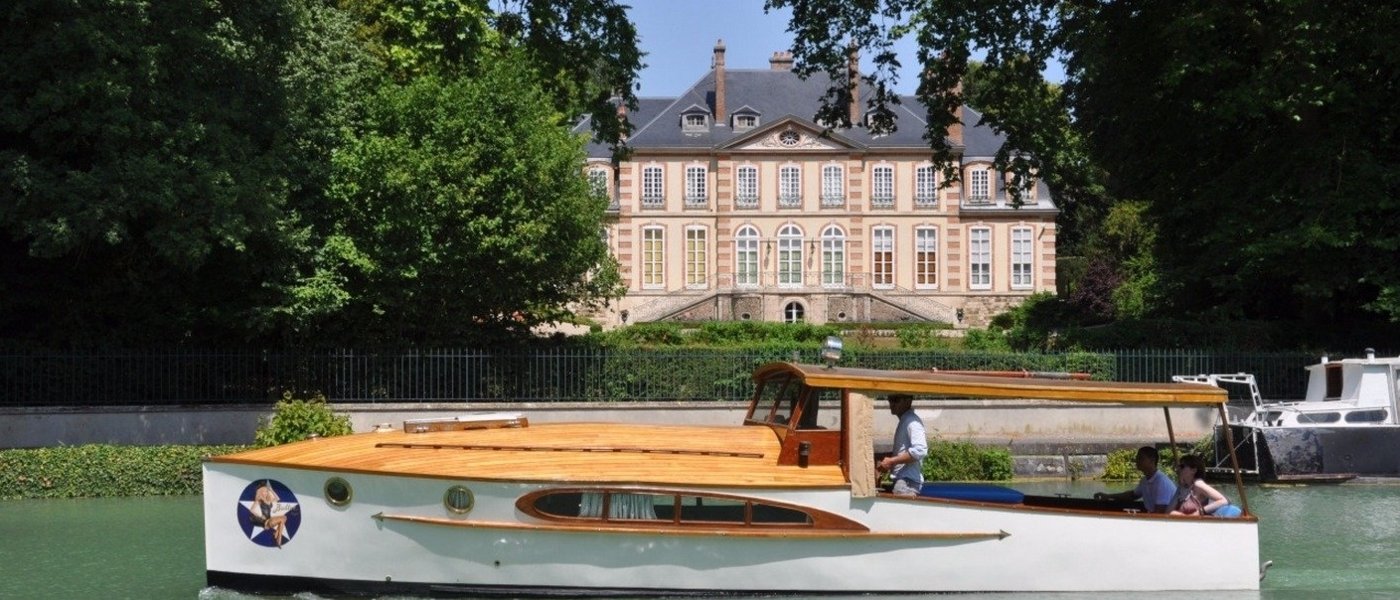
x=1325, y=541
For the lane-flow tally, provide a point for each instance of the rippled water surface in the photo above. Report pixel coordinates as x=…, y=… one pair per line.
x=1326, y=542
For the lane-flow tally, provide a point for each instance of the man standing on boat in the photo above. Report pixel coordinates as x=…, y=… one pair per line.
x=905, y=465
x=1155, y=489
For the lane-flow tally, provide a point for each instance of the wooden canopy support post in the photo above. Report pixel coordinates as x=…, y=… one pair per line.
x=1234, y=460
x=1171, y=435
x=860, y=444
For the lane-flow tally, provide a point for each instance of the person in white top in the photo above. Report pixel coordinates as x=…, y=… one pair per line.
x=905, y=465
x=1155, y=489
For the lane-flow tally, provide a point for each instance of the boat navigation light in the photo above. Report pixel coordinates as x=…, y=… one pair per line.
x=831, y=351
x=1370, y=354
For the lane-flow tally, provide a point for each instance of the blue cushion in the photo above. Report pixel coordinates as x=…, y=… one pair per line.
x=1229, y=511
x=977, y=492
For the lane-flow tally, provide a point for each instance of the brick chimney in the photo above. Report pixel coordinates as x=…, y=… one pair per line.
x=719, y=82
x=955, y=131
x=853, y=74
x=781, y=61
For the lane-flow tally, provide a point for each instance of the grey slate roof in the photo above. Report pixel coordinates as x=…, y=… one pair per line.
x=774, y=96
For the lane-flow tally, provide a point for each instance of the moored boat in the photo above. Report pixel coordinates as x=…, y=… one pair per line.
x=785, y=503
x=1346, y=425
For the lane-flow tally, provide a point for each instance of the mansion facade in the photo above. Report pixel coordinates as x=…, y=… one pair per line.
x=735, y=205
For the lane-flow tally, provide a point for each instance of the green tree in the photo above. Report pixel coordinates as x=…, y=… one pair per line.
x=461, y=209
x=585, y=51
x=140, y=165
x=1261, y=134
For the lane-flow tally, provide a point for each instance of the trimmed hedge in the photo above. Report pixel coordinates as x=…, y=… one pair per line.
x=101, y=470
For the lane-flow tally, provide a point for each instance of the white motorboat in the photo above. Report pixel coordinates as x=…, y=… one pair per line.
x=1345, y=425
x=495, y=505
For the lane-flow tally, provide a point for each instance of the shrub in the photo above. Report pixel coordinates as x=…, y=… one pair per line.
x=965, y=461
x=296, y=420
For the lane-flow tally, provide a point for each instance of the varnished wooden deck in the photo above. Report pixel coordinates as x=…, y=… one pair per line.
x=584, y=453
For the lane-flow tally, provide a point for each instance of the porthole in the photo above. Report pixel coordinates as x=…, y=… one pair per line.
x=338, y=491
x=841, y=316
x=745, y=316
x=458, y=499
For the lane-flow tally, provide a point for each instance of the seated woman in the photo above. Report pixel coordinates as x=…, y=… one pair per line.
x=1195, y=497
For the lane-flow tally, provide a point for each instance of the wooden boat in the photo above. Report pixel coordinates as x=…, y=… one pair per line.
x=494, y=505
x=1346, y=425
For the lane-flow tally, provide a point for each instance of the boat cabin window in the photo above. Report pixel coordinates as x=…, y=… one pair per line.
x=1334, y=382
x=658, y=507
x=1366, y=416
x=1329, y=417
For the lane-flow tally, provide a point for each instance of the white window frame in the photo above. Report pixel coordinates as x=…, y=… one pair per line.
x=790, y=186
x=746, y=186
x=926, y=258
x=695, y=122
x=1022, y=258
x=653, y=186
x=833, y=257
x=882, y=245
x=746, y=265
x=925, y=186
x=653, y=257
x=790, y=256
x=696, y=178
x=882, y=186
x=833, y=185
x=979, y=258
x=697, y=252
x=979, y=186
x=739, y=123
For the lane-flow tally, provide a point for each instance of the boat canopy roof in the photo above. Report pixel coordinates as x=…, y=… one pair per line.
x=938, y=384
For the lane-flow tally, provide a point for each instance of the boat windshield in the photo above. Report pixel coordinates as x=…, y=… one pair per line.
x=775, y=399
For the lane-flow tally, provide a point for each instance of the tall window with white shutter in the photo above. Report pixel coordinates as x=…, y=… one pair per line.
x=882, y=257
x=979, y=258
x=653, y=258
x=926, y=257
x=1022, y=259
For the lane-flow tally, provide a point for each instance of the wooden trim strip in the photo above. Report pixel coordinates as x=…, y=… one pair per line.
x=559, y=449
x=672, y=530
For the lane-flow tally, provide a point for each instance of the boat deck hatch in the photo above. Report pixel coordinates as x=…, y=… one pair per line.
x=467, y=422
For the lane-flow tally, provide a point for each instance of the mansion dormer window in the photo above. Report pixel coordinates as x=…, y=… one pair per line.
x=742, y=122
x=695, y=122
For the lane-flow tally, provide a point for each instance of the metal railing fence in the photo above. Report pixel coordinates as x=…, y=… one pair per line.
x=184, y=377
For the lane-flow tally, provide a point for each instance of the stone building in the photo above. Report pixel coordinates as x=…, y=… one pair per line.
x=736, y=205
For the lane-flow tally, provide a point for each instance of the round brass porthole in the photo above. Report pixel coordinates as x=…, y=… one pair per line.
x=338, y=491
x=458, y=499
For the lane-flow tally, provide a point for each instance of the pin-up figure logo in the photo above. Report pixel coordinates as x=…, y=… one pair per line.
x=269, y=513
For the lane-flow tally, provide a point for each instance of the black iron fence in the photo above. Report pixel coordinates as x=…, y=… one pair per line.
x=38, y=378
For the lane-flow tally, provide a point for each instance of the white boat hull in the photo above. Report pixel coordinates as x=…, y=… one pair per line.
x=368, y=546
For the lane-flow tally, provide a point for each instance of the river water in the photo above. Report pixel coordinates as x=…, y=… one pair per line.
x=1339, y=541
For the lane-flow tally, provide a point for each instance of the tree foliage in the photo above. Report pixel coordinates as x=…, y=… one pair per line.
x=181, y=171
x=140, y=163
x=462, y=207
x=1261, y=134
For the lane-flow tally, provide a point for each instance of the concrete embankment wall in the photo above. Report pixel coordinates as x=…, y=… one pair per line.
x=1046, y=438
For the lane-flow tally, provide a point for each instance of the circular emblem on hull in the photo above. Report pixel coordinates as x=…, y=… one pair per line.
x=269, y=513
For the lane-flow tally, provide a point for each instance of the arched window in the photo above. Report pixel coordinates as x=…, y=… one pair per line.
x=746, y=256
x=833, y=257
x=793, y=312
x=790, y=256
